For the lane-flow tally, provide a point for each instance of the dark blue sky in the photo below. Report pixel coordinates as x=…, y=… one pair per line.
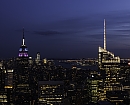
x=64, y=28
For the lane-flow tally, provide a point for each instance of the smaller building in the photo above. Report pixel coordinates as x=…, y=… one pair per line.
x=93, y=87
x=50, y=92
x=38, y=59
x=117, y=97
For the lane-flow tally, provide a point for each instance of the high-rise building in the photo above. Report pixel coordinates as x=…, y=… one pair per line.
x=6, y=84
x=109, y=68
x=9, y=79
x=37, y=60
x=2, y=76
x=9, y=85
x=3, y=94
x=45, y=61
x=50, y=92
x=23, y=50
x=21, y=77
x=92, y=87
x=30, y=60
x=38, y=56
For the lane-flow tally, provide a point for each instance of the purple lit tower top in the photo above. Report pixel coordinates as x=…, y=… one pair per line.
x=23, y=50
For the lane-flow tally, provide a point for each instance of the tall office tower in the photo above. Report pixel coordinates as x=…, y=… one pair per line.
x=125, y=76
x=92, y=86
x=109, y=67
x=45, y=61
x=23, y=51
x=50, y=92
x=38, y=56
x=2, y=76
x=9, y=85
x=9, y=78
x=30, y=60
x=37, y=60
x=3, y=94
x=22, y=88
x=22, y=91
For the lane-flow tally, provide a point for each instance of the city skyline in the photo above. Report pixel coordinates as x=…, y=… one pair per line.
x=64, y=29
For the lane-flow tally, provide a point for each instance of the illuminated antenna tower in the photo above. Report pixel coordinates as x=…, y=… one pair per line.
x=104, y=35
x=23, y=43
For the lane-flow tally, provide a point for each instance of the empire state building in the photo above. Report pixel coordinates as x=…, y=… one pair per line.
x=23, y=50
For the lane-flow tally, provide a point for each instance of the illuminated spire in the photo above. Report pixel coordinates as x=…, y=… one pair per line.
x=104, y=35
x=23, y=43
x=23, y=51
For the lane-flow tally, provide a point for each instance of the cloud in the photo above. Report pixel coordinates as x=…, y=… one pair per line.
x=52, y=33
x=87, y=31
x=91, y=24
x=89, y=27
x=48, y=33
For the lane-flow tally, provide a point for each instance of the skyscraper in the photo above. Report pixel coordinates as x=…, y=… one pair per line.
x=22, y=90
x=109, y=68
x=3, y=94
x=23, y=50
x=37, y=60
x=50, y=92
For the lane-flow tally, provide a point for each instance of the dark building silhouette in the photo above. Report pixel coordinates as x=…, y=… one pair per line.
x=22, y=90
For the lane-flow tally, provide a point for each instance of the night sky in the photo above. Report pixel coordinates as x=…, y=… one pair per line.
x=64, y=28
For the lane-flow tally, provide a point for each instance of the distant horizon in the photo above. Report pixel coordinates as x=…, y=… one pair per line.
x=54, y=58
